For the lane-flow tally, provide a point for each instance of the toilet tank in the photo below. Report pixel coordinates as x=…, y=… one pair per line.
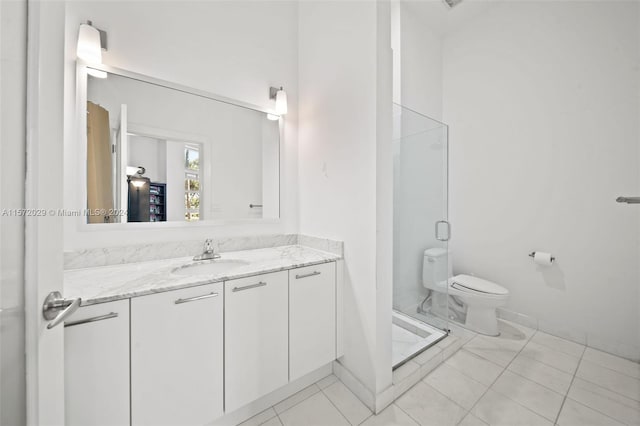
x=435, y=269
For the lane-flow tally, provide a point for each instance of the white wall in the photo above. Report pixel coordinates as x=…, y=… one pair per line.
x=421, y=62
x=175, y=173
x=542, y=101
x=234, y=49
x=13, y=58
x=152, y=154
x=339, y=92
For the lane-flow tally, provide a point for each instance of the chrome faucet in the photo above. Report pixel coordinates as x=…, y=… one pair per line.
x=209, y=253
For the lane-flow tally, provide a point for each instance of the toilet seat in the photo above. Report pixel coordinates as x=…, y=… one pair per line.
x=470, y=284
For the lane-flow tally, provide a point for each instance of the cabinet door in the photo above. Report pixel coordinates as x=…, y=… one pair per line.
x=256, y=337
x=312, y=318
x=96, y=365
x=176, y=357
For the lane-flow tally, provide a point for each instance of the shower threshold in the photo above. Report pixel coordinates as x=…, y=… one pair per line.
x=411, y=337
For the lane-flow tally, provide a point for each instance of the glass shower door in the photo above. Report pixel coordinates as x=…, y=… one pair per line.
x=420, y=232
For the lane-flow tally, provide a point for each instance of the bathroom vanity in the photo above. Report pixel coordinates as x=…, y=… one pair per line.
x=175, y=341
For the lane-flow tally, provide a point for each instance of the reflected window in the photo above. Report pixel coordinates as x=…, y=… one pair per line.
x=191, y=183
x=191, y=158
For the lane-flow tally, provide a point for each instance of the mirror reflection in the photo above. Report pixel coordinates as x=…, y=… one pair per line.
x=160, y=154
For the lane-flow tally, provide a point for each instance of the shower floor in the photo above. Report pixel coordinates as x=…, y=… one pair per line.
x=409, y=337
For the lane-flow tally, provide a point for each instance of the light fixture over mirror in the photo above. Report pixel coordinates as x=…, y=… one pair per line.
x=138, y=183
x=135, y=171
x=280, y=97
x=89, y=49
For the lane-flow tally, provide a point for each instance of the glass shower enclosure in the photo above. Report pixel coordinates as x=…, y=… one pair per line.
x=420, y=233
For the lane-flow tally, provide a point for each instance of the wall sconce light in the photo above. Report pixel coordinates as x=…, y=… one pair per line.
x=135, y=171
x=91, y=41
x=280, y=97
x=135, y=178
x=138, y=183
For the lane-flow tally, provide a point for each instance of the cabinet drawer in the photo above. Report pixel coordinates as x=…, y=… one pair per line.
x=177, y=357
x=312, y=318
x=256, y=337
x=96, y=365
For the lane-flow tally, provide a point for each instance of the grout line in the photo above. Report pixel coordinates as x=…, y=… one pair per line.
x=538, y=383
x=447, y=397
x=558, y=350
x=500, y=375
x=422, y=380
x=409, y=415
x=278, y=417
x=611, y=369
x=553, y=366
x=335, y=406
x=555, y=422
x=372, y=415
x=579, y=402
x=607, y=389
x=549, y=365
x=299, y=402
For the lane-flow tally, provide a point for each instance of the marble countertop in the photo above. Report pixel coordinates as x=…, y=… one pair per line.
x=108, y=283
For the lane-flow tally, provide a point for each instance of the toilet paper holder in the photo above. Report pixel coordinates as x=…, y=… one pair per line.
x=533, y=254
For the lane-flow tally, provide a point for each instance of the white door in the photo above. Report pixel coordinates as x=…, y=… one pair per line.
x=43, y=195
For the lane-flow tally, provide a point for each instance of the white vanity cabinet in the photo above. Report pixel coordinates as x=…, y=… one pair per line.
x=96, y=365
x=177, y=357
x=312, y=318
x=256, y=337
x=189, y=356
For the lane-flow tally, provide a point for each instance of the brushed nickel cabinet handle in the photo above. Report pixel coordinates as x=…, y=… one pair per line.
x=92, y=319
x=249, y=287
x=312, y=274
x=193, y=299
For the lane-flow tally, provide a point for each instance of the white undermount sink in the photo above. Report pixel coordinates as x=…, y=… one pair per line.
x=209, y=267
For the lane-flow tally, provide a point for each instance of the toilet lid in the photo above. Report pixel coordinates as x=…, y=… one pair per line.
x=477, y=284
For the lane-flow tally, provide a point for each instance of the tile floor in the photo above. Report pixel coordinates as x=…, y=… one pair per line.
x=523, y=377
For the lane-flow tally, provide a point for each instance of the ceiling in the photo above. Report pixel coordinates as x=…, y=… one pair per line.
x=442, y=19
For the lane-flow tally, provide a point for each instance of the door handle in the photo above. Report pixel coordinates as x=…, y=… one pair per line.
x=628, y=200
x=438, y=230
x=58, y=309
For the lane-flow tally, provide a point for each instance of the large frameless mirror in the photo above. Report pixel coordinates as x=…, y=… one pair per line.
x=157, y=152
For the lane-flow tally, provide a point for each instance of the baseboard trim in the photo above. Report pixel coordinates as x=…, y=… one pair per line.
x=259, y=405
x=583, y=337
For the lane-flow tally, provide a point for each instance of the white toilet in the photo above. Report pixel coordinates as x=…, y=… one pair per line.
x=481, y=297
